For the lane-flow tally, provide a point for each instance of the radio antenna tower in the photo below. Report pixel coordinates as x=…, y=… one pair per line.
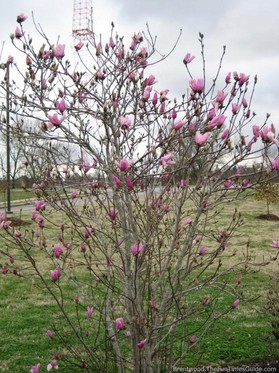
x=83, y=20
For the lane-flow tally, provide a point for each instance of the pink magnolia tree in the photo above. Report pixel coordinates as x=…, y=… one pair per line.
x=136, y=250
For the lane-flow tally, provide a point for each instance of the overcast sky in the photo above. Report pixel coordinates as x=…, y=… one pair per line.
x=248, y=28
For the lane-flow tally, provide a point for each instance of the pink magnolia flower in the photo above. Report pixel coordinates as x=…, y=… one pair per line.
x=183, y=183
x=206, y=302
x=10, y=59
x=200, y=139
x=256, y=131
x=46, y=55
x=192, y=127
x=244, y=102
x=237, y=172
x=129, y=183
x=137, y=248
x=197, y=85
x=41, y=223
x=44, y=84
x=79, y=45
x=163, y=95
x=188, y=220
x=125, y=123
x=100, y=75
x=178, y=125
x=124, y=165
x=216, y=122
x=138, y=38
x=192, y=339
x=163, y=107
x=17, y=233
x=197, y=239
x=120, y=52
x=146, y=93
x=133, y=45
x=61, y=105
x=153, y=304
x=173, y=114
x=242, y=79
x=155, y=99
x=113, y=213
x=18, y=33
x=245, y=184
x=188, y=58
x=120, y=323
x=21, y=18
x=98, y=48
x=150, y=80
x=228, y=184
x=55, y=274
x=34, y=215
x=28, y=60
x=35, y=368
x=275, y=244
x=228, y=78
x=212, y=112
x=167, y=160
x=83, y=247
x=235, y=108
x=141, y=344
x=52, y=365
x=111, y=42
x=57, y=356
x=89, y=311
x=221, y=95
x=57, y=251
x=50, y=334
x=117, y=182
x=74, y=194
x=235, y=76
x=235, y=303
x=202, y=250
x=40, y=205
x=88, y=231
x=55, y=120
x=59, y=51
x=225, y=134
x=4, y=269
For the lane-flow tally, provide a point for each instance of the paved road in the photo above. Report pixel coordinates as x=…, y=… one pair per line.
x=18, y=206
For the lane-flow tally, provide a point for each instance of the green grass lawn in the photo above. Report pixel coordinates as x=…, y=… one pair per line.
x=17, y=194
x=243, y=337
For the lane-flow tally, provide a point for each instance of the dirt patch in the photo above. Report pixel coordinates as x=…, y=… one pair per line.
x=17, y=222
x=270, y=217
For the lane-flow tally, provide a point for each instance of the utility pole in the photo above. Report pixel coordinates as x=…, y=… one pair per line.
x=8, y=137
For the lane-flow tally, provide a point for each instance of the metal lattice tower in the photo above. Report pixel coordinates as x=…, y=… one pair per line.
x=83, y=20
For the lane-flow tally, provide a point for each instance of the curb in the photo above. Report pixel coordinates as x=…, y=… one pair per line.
x=19, y=202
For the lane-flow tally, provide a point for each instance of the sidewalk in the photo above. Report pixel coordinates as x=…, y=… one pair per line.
x=17, y=203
